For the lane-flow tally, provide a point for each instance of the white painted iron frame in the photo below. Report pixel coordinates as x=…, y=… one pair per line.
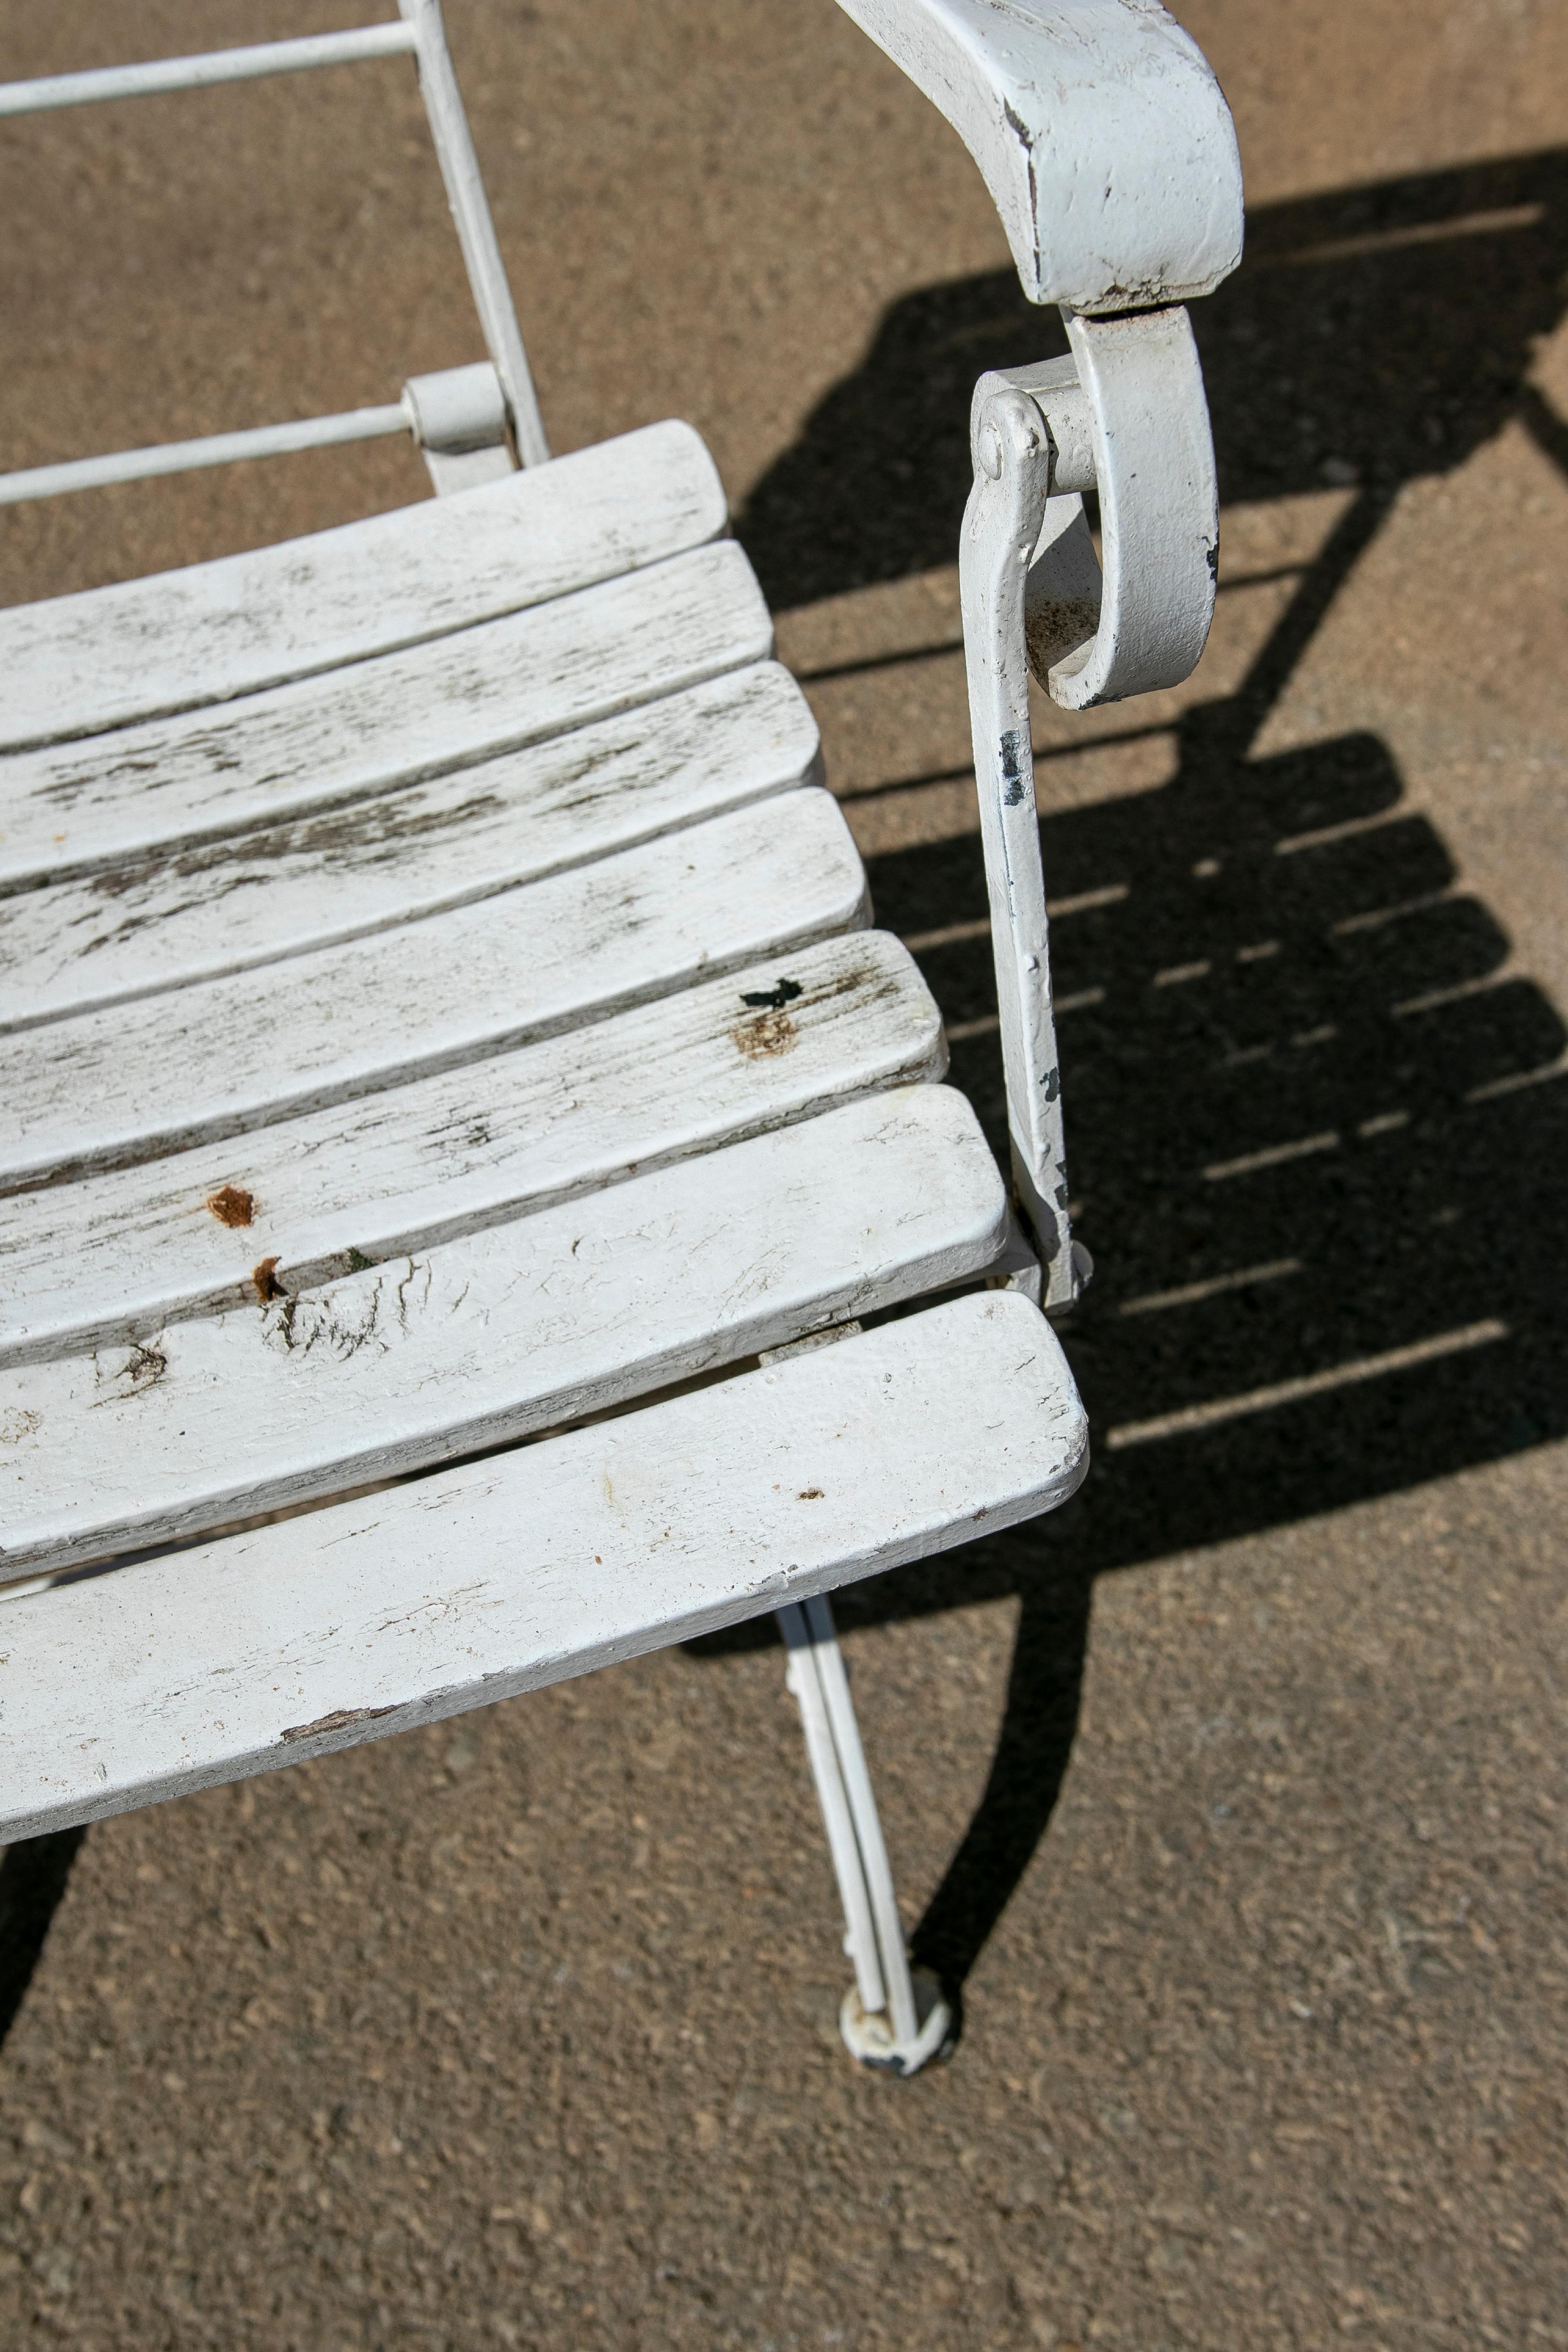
x=892, y=2017
x=472, y=419
x=1125, y=415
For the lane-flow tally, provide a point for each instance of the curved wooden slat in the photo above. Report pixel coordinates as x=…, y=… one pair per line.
x=111, y=657
x=225, y=1056
x=112, y=1256
x=207, y=908
x=504, y=1575
x=324, y=743
x=516, y=1328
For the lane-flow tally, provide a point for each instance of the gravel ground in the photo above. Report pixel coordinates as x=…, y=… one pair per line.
x=1234, y=1797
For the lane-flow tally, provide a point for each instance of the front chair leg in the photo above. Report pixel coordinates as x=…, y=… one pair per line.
x=892, y=2016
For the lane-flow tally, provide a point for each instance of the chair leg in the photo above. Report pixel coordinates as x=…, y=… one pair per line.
x=892, y=2016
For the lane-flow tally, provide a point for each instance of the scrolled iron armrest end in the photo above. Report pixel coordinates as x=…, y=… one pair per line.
x=1101, y=132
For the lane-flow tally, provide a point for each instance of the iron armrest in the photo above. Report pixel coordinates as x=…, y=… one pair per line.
x=1099, y=129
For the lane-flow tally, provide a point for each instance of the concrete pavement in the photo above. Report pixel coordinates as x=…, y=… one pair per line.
x=1234, y=1798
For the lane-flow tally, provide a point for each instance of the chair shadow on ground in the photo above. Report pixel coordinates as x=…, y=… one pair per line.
x=1318, y=1134
x=1343, y=1091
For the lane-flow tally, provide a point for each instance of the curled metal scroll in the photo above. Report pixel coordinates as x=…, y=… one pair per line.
x=1125, y=416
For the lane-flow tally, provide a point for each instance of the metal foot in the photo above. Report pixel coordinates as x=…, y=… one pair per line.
x=891, y=2018
x=868, y=2036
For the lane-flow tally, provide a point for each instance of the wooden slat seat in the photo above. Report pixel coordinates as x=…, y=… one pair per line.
x=104, y=1259
x=108, y=656
x=469, y=1342
x=426, y=1024
x=326, y=740
x=222, y=1056
x=499, y=1576
x=184, y=911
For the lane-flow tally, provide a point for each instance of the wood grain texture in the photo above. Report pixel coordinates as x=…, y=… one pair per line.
x=228, y=1056
x=147, y=648
x=110, y=1258
x=514, y=1328
x=501, y=1576
x=323, y=742
x=208, y=907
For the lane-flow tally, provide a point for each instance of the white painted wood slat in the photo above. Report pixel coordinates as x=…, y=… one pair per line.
x=215, y=907
x=226, y=1055
x=110, y=1257
x=516, y=1328
x=110, y=656
x=501, y=1576
x=322, y=743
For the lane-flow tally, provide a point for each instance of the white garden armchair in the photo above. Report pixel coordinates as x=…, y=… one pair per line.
x=454, y=1096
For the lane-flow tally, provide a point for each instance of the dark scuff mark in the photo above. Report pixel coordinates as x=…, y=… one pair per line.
x=146, y=1368
x=375, y=831
x=1211, y=557
x=1026, y=139
x=1012, y=768
x=1051, y=1084
x=231, y=1204
x=302, y=1324
x=340, y=1720
x=143, y=1367
x=774, y=1000
x=809, y=1494
x=264, y=1277
x=402, y=1297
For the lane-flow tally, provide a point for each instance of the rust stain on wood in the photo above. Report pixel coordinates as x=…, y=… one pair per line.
x=264, y=1277
x=765, y=1036
x=231, y=1204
